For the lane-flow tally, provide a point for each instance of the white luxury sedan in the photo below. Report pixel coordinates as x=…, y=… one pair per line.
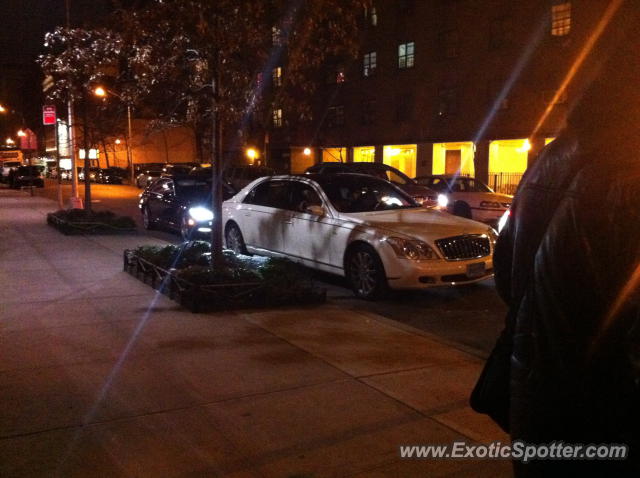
x=468, y=197
x=360, y=227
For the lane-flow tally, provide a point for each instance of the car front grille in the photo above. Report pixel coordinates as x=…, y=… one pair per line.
x=471, y=246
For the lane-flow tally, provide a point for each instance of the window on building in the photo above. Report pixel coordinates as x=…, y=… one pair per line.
x=277, y=76
x=369, y=64
x=371, y=15
x=335, y=116
x=499, y=33
x=560, y=19
x=276, y=118
x=368, y=112
x=496, y=94
x=276, y=36
x=406, y=55
x=448, y=43
x=447, y=102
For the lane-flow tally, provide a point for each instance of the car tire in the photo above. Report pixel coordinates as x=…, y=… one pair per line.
x=147, y=220
x=233, y=239
x=365, y=273
x=462, y=209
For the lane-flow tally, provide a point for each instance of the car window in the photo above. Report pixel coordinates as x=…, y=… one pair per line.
x=162, y=186
x=269, y=194
x=395, y=178
x=477, y=186
x=301, y=196
x=362, y=194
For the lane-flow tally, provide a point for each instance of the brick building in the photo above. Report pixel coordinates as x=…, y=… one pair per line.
x=448, y=85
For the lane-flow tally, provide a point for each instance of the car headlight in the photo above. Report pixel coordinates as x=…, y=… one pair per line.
x=200, y=214
x=443, y=201
x=503, y=220
x=411, y=249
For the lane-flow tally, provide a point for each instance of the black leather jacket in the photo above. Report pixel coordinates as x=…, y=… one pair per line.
x=567, y=263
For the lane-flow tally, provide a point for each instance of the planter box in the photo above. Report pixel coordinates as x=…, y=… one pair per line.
x=224, y=296
x=73, y=228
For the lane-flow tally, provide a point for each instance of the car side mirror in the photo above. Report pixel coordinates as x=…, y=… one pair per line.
x=316, y=210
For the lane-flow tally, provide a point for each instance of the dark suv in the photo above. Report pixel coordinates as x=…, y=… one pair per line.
x=421, y=194
x=27, y=176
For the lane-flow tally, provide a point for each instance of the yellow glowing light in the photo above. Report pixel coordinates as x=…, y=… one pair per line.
x=2, y=109
x=526, y=146
x=100, y=91
x=117, y=141
x=251, y=153
x=307, y=152
x=10, y=141
x=21, y=133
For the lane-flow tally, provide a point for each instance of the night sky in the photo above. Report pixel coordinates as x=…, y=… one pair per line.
x=21, y=37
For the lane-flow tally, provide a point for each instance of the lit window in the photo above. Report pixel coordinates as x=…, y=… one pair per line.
x=374, y=16
x=277, y=76
x=561, y=19
x=406, y=52
x=368, y=112
x=276, y=36
x=277, y=118
x=369, y=64
x=335, y=116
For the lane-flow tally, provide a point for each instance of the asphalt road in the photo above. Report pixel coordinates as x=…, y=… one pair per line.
x=470, y=317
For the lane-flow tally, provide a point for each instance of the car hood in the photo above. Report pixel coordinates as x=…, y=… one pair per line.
x=425, y=224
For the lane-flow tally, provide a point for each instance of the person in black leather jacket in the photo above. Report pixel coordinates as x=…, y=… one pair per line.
x=568, y=265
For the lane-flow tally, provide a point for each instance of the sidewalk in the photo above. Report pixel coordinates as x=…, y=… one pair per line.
x=100, y=376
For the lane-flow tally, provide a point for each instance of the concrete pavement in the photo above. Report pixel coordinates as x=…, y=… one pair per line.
x=101, y=376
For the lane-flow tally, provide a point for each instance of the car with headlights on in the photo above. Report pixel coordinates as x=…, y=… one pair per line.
x=181, y=203
x=420, y=193
x=111, y=175
x=469, y=197
x=360, y=227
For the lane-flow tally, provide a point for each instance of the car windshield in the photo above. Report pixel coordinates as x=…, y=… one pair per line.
x=355, y=193
x=193, y=188
x=471, y=186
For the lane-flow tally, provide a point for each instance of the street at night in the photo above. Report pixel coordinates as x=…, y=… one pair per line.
x=319, y=238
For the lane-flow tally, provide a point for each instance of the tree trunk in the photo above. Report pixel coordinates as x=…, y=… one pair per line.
x=87, y=161
x=217, y=258
x=106, y=154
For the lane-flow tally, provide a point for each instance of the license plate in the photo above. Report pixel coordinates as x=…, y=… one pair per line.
x=476, y=270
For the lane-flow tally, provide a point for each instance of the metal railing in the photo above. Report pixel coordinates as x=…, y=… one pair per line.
x=505, y=183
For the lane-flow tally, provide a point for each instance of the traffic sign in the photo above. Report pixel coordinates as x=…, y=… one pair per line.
x=48, y=115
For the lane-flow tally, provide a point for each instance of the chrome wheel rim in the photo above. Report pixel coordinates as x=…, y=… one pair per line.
x=234, y=241
x=363, y=273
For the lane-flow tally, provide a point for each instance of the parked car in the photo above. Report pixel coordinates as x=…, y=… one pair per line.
x=147, y=176
x=66, y=174
x=93, y=172
x=361, y=227
x=141, y=167
x=422, y=194
x=110, y=175
x=469, y=197
x=181, y=203
x=7, y=167
x=239, y=176
x=178, y=168
x=27, y=176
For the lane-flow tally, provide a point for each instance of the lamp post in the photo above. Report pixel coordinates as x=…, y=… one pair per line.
x=103, y=92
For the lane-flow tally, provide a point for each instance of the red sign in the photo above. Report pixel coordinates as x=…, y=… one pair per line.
x=48, y=115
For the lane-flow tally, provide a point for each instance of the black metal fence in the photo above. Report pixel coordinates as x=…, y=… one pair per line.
x=505, y=183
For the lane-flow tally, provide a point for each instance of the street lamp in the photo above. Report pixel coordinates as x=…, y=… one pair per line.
x=102, y=93
x=10, y=142
x=21, y=133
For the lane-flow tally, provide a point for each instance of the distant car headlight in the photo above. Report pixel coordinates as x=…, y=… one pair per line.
x=443, y=201
x=411, y=249
x=200, y=214
x=503, y=220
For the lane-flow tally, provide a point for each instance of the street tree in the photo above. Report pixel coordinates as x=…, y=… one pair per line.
x=208, y=64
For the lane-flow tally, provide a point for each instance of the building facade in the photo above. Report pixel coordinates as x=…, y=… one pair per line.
x=443, y=86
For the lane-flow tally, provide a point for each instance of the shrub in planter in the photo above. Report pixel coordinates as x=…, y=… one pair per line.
x=81, y=217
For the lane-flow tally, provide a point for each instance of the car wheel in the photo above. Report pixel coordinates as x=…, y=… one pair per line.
x=234, y=240
x=365, y=273
x=462, y=209
x=147, y=219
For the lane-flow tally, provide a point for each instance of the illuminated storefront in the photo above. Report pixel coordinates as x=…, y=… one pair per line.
x=508, y=161
x=453, y=158
x=364, y=154
x=402, y=157
x=334, y=155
